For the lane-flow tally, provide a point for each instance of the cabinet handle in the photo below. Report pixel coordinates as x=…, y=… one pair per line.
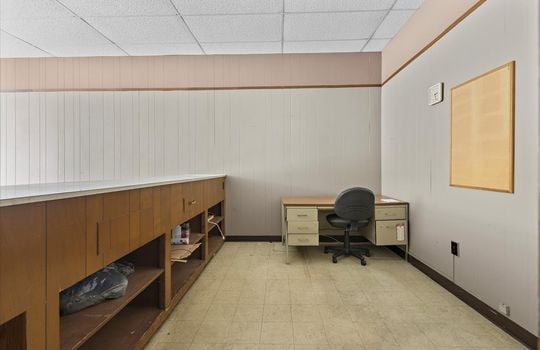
x=184, y=204
x=97, y=239
x=193, y=202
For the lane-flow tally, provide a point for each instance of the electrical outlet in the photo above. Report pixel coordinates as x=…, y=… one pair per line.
x=504, y=309
x=454, y=248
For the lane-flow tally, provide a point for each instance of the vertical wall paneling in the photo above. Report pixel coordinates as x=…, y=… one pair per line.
x=144, y=139
x=96, y=136
x=159, y=109
x=170, y=132
x=3, y=139
x=271, y=143
x=108, y=135
x=69, y=140
x=84, y=136
x=136, y=138
x=33, y=138
x=117, y=108
x=51, y=137
x=10, y=138
x=126, y=134
x=22, y=140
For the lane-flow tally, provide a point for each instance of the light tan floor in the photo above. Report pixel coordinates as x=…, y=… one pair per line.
x=248, y=298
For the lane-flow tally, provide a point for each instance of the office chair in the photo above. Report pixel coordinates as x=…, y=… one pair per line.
x=354, y=208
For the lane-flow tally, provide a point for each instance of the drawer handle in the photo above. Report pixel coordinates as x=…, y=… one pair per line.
x=303, y=228
x=301, y=215
x=303, y=240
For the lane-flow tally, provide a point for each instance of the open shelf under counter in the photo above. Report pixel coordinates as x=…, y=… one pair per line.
x=183, y=274
x=125, y=330
x=79, y=327
x=195, y=238
x=214, y=243
x=215, y=220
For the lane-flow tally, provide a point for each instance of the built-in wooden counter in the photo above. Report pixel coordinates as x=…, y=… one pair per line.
x=53, y=236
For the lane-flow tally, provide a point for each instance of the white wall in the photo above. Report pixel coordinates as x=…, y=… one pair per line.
x=271, y=143
x=497, y=232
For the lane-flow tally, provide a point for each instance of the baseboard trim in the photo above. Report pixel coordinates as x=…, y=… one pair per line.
x=238, y=238
x=324, y=239
x=519, y=333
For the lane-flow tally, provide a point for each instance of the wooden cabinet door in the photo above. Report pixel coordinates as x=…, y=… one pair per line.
x=116, y=225
x=95, y=241
x=178, y=212
x=134, y=218
x=66, y=256
x=195, y=202
x=23, y=269
x=146, y=216
x=66, y=241
x=163, y=218
x=214, y=191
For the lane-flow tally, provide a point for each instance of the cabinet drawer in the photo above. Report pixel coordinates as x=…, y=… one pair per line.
x=303, y=239
x=387, y=232
x=303, y=227
x=391, y=213
x=301, y=214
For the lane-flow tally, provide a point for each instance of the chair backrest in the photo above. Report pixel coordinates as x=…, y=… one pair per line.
x=355, y=204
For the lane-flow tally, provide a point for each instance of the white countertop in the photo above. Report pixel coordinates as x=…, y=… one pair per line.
x=22, y=194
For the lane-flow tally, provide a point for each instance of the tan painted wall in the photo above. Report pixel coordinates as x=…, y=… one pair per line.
x=191, y=72
x=432, y=20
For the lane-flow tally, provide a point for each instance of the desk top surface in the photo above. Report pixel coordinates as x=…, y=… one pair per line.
x=329, y=201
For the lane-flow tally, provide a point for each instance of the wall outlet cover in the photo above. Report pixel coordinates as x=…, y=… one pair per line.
x=454, y=248
x=504, y=309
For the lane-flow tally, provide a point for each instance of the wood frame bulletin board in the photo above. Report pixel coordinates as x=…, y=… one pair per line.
x=482, y=131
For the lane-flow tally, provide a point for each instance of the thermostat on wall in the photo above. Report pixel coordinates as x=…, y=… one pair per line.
x=435, y=94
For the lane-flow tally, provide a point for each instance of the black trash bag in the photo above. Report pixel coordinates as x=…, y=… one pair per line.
x=109, y=283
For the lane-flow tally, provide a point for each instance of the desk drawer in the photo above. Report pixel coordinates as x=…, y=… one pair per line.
x=301, y=214
x=303, y=239
x=303, y=227
x=391, y=213
x=387, y=232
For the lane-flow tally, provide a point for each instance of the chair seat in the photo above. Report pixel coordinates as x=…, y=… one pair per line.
x=338, y=222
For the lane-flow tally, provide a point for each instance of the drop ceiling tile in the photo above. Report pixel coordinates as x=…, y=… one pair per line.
x=323, y=46
x=13, y=47
x=392, y=24
x=25, y=9
x=84, y=50
x=43, y=32
x=220, y=7
x=336, y=5
x=235, y=28
x=156, y=49
x=407, y=4
x=96, y=8
x=139, y=30
x=242, y=48
x=376, y=45
x=331, y=25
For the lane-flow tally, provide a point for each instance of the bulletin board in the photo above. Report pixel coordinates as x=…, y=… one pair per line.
x=482, y=131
